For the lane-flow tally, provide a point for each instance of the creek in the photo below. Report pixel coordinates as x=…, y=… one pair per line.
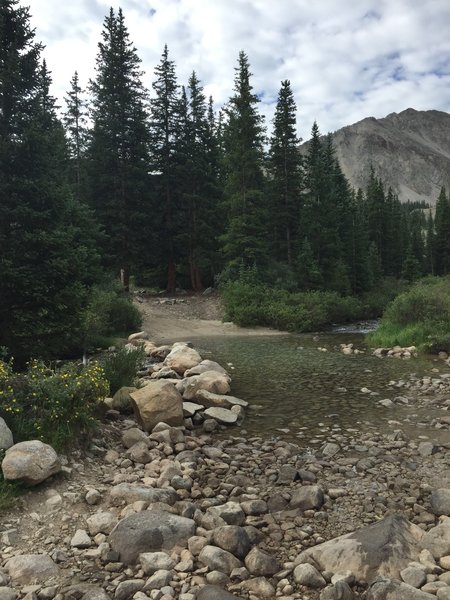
x=297, y=391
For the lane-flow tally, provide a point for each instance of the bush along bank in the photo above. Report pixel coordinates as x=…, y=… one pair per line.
x=168, y=512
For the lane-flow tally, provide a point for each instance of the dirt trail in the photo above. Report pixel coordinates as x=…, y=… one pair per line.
x=169, y=319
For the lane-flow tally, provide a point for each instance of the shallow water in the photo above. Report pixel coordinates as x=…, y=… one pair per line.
x=298, y=391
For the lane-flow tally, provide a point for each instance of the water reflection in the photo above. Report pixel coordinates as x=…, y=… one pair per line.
x=295, y=388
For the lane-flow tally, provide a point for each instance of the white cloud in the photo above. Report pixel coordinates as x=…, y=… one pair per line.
x=346, y=60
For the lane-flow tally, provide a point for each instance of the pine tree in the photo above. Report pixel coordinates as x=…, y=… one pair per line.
x=119, y=182
x=286, y=176
x=75, y=121
x=164, y=134
x=245, y=238
x=46, y=264
x=442, y=235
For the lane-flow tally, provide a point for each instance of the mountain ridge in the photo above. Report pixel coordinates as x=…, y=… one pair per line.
x=409, y=151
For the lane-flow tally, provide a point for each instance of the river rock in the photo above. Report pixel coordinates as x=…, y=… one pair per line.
x=260, y=587
x=309, y=576
x=30, y=462
x=190, y=408
x=157, y=402
x=234, y=539
x=207, y=365
x=132, y=436
x=121, y=400
x=383, y=548
x=437, y=539
x=181, y=358
x=213, y=592
x=217, y=559
x=149, y=531
x=307, y=497
x=230, y=512
x=222, y=415
x=440, y=502
x=209, y=399
x=27, y=569
x=211, y=381
x=261, y=563
x=132, y=492
x=7, y=593
x=338, y=591
x=155, y=561
x=6, y=436
x=387, y=589
x=101, y=522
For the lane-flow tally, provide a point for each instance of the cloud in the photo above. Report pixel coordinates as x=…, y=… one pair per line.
x=345, y=60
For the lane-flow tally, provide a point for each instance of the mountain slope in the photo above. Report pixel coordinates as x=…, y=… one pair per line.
x=410, y=151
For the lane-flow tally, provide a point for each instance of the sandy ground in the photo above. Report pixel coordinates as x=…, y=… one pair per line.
x=169, y=319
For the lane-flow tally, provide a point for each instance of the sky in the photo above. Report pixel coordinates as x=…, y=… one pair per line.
x=345, y=59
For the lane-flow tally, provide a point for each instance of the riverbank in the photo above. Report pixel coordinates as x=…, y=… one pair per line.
x=168, y=319
x=252, y=506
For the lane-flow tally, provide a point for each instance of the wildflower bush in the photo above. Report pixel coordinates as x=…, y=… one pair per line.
x=49, y=404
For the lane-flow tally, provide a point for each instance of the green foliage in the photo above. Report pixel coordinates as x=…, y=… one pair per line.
x=121, y=366
x=419, y=317
x=51, y=404
x=249, y=304
x=109, y=313
x=8, y=491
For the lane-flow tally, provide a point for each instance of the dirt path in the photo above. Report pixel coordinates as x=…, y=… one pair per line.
x=171, y=319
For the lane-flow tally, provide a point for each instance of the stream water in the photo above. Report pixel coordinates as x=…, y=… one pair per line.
x=296, y=390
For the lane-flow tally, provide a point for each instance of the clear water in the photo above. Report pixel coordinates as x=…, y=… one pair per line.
x=297, y=391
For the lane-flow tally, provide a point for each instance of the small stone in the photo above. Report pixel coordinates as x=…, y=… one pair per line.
x=308, y=576
x=260, y=563
x=217, y=559
x=440, y=502
x=155, y=561
x=413, y=577
x=81, y=539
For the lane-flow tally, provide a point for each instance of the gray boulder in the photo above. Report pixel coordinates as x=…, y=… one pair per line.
x=131, y=492
x=230, y=512
x=384, y=548
x=437, y=539
x=260, y=563
x=149, y=531
x=387, y=589
x=222, y=415
x=7, y=593
x=234, y=539
x=440, y=502
x=101, y=522
x=338, y=591
x=6, y=436
x=209, y=399
x=206, y=365
x=309, y=576
x=157, y=402
x=213, y=592
x=28, y=569
x=30, y=462
x=307, y=497
x=217, y=559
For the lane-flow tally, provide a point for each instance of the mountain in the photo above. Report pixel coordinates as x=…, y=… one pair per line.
x=409, y=150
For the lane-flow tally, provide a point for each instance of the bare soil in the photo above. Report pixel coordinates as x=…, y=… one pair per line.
x=168, y=319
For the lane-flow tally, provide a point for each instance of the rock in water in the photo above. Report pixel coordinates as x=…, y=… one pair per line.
x=181, y=358
x=157, y=402
x=149, y=531
x=211, y=381
x=384, y=548
x=30, y=462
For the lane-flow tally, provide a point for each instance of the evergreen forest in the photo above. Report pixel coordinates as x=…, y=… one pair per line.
x=139, y=178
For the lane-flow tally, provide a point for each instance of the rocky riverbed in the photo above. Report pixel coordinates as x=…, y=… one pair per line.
x=194, y=510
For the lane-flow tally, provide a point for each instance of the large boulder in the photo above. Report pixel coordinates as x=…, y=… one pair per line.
x=149, y=531
x=383, y=548
x=157, y=402
x=30, y=462
x=181, y=358
x=207, y=365
x=28, y=569
x=6, y=436
x=211, y=381
x=386, y=589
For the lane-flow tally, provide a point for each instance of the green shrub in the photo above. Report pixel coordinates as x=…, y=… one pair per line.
x=121, y=366
x=248, y=304
x=52, y=405
x=109, y=313
x=419, y=317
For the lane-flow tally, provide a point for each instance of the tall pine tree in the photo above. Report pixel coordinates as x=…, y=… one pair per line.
x=245, y=238
x=46, y=263
x=286, y=177
x=119, y=181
